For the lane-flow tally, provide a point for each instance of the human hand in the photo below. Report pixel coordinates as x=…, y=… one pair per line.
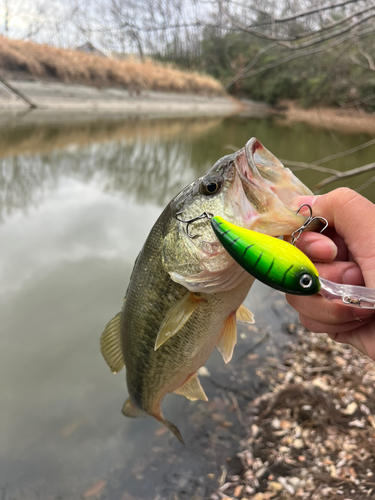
x=344, y=254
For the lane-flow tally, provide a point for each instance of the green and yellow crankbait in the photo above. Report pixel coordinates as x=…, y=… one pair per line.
x=272, y=261
x=280, y=265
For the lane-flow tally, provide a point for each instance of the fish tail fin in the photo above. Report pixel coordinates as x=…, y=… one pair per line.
x=173, y=429
x=157, y=413
x=130, y=410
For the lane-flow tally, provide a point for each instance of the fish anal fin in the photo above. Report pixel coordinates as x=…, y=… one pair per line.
x=228, y=338
x=176, y=317
x=129, y=410
x=243, y=314
x=110, y=344
x=192, y=389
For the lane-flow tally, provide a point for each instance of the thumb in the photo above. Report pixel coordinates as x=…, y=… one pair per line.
x=353, y=218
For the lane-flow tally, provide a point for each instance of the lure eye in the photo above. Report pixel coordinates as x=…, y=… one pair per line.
x=211, y=186
x=306, y=281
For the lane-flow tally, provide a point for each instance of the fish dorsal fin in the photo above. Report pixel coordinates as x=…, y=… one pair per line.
x=110, y=344
x=228, y=338
x=243, y=314
x=192, y=389
x=129, y=410
x=176, y=317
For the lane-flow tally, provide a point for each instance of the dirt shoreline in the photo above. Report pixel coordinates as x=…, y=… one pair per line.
x=52, y=96
x=347, y=120
x=75, y=101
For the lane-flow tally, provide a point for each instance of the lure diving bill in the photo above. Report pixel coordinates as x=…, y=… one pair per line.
x=282, y=266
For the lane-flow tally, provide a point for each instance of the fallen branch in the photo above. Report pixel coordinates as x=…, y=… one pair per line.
x=345, y=175
x=12, y=90
x=357, y=102
x=304, y=166
x=317, y=163
x=365, y=184
x=345, y=153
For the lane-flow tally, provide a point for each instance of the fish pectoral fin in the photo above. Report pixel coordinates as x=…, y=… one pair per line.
x=110, y=344
x=192, y=389
x=129, y=410
x=176, y=317
x=243, y=314
x=228, y=338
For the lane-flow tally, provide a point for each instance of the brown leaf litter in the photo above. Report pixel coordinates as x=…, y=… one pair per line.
x=313, y=435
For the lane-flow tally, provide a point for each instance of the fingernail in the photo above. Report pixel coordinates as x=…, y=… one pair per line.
x=325, y=250
x=302, y=200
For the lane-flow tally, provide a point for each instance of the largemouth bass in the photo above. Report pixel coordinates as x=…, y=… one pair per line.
x=186, y=292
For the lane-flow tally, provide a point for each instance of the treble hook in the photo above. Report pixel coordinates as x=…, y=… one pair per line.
x=204, y=215
x=307, y=222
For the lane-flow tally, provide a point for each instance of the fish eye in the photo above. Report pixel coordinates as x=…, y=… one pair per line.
x=211, y=186
x=306, y=281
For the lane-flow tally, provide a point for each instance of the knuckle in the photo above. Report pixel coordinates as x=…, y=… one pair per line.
x=343, y=196
x=305, y=321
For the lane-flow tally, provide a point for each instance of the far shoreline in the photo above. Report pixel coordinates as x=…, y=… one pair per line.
x=81, y=99
x=61, y=102
x=346, y=120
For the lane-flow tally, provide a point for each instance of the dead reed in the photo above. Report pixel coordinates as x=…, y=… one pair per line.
x=72, y=66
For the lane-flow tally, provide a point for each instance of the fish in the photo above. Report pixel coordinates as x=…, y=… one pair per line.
x=274, y=262
x=186, y=292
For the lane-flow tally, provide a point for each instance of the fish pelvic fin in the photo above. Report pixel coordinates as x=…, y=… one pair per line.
x=131, y=411
x=228, y=338
x=192, y=389
x=243, y=314
x=176, y=317
x=110, y=345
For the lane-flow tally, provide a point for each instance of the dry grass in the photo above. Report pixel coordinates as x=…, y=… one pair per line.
x=70, y=66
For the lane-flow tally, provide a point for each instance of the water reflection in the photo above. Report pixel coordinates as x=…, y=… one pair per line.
x=145, y=163
x=149, y=159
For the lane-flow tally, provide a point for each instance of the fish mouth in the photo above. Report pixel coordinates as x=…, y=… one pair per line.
x=259, y=158
x=268, y=189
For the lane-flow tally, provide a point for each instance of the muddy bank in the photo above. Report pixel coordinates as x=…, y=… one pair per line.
x=52, y=96
x=79, y=102
x=351, y=120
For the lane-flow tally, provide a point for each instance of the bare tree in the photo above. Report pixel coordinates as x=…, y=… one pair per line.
x=299, y=33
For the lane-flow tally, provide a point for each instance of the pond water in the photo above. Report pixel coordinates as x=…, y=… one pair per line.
x=77, y=201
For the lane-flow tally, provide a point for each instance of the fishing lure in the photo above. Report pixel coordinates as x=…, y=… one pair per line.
x=274, y=262
x=282, y=266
